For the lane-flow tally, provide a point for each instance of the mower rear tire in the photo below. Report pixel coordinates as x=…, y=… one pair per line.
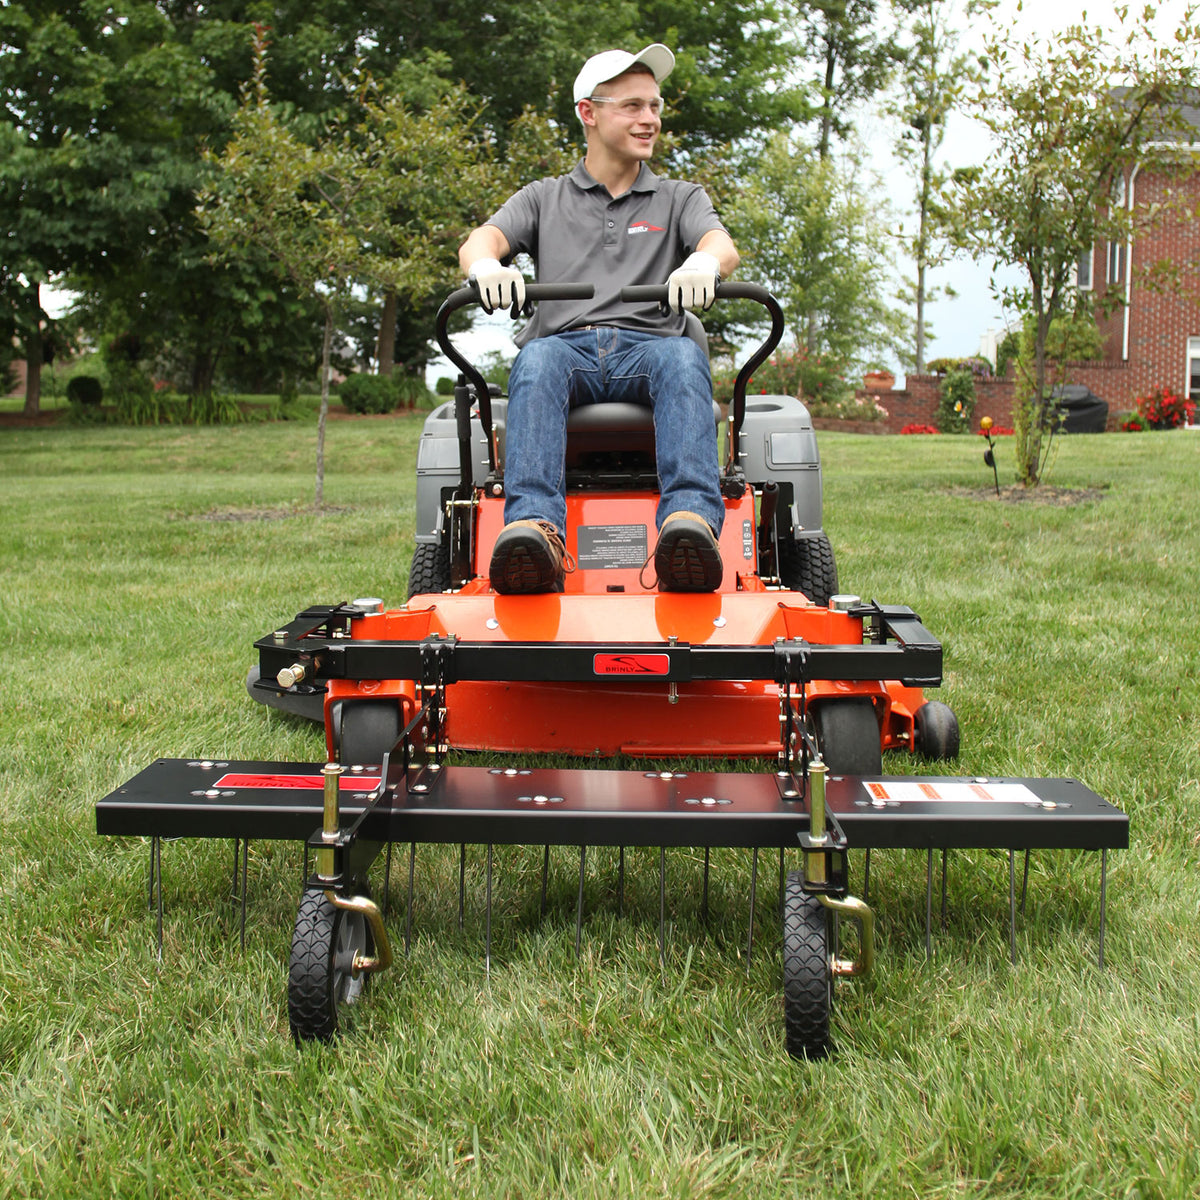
x=807, y=972
x=848, y=736
x=807, y=565
x=430, y=569
x=935, y=730
x=365, y=730
x=321, y=979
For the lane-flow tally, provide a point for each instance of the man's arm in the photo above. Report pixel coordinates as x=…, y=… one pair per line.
x=720, y=245
x=693, y=283
x=479, y=256
x=485, y=242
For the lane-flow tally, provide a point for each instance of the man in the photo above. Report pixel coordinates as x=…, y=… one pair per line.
x=613, y=223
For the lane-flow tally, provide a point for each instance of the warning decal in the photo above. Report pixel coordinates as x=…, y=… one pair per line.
x=611, y=547
x=949, y=791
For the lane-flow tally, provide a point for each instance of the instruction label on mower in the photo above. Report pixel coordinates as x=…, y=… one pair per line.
x=611, y=547
x=959, y=791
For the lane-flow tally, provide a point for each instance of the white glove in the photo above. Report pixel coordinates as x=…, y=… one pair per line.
x=499, y=287
x=693, y=284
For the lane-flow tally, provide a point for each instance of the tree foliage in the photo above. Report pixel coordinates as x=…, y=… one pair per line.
x=1069, y=119
x=380, y=201
x=820, y=245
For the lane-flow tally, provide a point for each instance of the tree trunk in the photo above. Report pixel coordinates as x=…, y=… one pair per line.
x=33, y=355
x=326, y=350
x=385, y=347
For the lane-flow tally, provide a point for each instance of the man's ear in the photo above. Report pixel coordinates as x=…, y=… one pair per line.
x=587, y=112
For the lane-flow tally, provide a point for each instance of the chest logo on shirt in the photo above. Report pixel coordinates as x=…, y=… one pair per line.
x=644, y=227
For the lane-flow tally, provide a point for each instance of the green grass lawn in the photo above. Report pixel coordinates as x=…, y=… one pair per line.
x=139, y=565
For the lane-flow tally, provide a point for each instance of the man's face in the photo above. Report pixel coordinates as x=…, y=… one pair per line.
x=627, y=112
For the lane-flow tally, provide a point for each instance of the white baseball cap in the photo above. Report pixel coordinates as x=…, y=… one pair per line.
x=608, y=65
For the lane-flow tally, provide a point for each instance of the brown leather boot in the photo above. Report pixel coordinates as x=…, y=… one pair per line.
x=687, y=557
x=529, y=557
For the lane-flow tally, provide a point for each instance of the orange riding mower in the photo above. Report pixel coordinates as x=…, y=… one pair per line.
x=778, y=667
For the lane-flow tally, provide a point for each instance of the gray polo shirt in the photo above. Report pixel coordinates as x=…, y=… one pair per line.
x=577, y=233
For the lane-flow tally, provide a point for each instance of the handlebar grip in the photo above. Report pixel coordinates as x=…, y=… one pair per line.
x=559, y=291
x=657, y=292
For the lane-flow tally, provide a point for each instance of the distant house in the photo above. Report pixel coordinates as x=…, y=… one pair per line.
x=1152, y=338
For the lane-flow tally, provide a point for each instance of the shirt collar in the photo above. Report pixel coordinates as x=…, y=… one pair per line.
x=646, y=180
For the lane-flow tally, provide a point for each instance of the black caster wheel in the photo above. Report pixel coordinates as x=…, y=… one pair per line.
x=807, y=973
x=321, y=980
x=935, y=730
x=848, y=736
x=365, y=730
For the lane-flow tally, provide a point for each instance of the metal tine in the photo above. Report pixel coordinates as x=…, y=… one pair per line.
x=1012, y=907
x=621, y=881
x=929, y=903
x=387, y=879
x=753, y=892
x=545, y=877
x=462, y=884
x=245, y=870
x=408, y=907
x=945, y=857
x=1025, y=882
x=233, y=882
x=156, y=890
x=704, y=897
x=1103, y=900
x=662, y=909
x=487, y=945
x=579, y=902
x=867, y=877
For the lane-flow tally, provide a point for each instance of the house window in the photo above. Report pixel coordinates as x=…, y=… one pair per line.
x=1193, y=371
x=1083, y=271
x=1116, y=262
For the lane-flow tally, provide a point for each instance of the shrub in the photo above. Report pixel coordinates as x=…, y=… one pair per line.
x=368, y=394
x=919, y=429
x=817, y=379
x=444, y=386
x=957, y=401
x=1162, y=409
x=86, y=391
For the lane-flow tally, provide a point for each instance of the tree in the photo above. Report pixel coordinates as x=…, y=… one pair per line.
x=1063, y=137
x=854, y=60
x=932, y=77
x=816, y=241
x=94, y=106
x=366, y=206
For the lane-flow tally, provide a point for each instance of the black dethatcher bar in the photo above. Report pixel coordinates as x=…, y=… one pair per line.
x=548, y=806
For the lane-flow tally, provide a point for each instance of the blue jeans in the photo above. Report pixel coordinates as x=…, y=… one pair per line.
x=588, y=366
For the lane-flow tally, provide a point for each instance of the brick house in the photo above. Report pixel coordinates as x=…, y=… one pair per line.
x=1152, y=338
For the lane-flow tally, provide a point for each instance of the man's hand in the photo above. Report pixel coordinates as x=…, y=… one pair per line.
x=693, y=284
x=499, y=287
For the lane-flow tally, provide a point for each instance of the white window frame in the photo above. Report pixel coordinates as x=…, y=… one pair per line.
x=1192, y=369
x=1116, y=262
x=1084, y=270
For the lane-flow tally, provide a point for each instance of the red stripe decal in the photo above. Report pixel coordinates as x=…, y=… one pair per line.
x=352, y=783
